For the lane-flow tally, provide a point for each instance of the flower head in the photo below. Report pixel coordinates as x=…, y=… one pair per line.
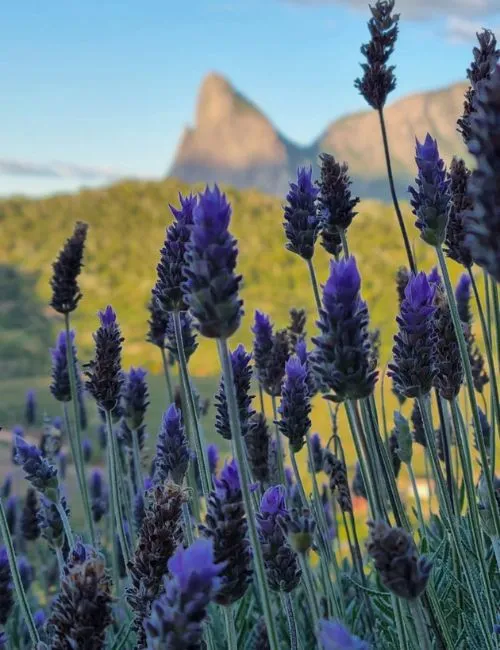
x=447, y=360
x=66, y=293
x=334, y=636
x=412, y=368
x=60, y=386
x=455, y=242
x=30, y=408
x=99, y=498
x=177, y=616
x=157, y=324
x=135, y=397
x=172, y=451
x=257, y=442
x=39, y=472
x=295, y=406
x=6, y=596
x=301, y=219
x=242, y=376
x=431, y=198
x=317, y=453
x=336, y=471
x=378, y=79
x=188, y=335
x=104, y=374
x=343, y=357
x=336, y=205
x=211, y=286
x=270, y=351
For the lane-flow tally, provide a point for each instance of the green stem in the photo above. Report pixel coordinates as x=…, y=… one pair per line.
x=230, y=628
x=487, y=337
x=449, y=520
x=198, y=434
x=77, y=447
x=16, y=578
x=115, y=489
x=495, y=542
x=188, y=529
x=421, y=625
x=66, y=525
x=400, y=626
x=314, y=283
x=420, y=514
x=470, y=388
x=300, y=485
x=343, y=239
x=445, y=441
x=239, y=449
x=399, y=215
x=279, y=443
x=166, y=371
x=311, y=592
x=137, y=461
x=290, y=617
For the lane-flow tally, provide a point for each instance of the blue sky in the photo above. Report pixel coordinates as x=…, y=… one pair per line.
x=98, y=89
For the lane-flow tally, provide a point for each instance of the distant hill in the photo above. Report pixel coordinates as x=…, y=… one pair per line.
x=233, y=142
x=127, y=226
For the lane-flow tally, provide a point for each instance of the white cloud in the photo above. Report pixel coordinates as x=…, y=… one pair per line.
x=461, y=30
x=420, y=9
x=12, y=167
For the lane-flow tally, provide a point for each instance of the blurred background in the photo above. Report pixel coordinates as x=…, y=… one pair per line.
x=109, y=109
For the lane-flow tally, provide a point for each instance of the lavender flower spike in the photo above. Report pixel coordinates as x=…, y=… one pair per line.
x=104, y=372
x=30, y=412
x=6, y=596
x=431, y=198
x=60, y=386
x=177, y=616
x=135, y=397
x=172, y=451
x=211, y=286
x=270, y=352
x=66, y=293
x=295, y=406
x=301, y=218
x=39, y=472
x=412, y=369
x=242, y=375
x=343, y=357
x=334, y=636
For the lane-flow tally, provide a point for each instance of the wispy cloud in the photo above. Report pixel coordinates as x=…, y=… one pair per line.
x=420, y=9
x=461, y=30
x=12, y=167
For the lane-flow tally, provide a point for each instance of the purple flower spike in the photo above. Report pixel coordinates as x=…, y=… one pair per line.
x=39, y=472
x=135, y=397
x=30, y=412
x=301, y=217
x=213, y=458
x=295, y=406
x=172, y=451
x=211, y=287
x=462, y=296
x=242, y=376
x=334, y=636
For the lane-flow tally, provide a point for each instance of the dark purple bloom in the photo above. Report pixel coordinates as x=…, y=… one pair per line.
x=358, y=483
x=447, y=359
x=334, y=636
x=485, y=60
x=281, y=561
x=66, y=293
x=343, y=356
x=211, y=287
x=135, y=397
x=139, y=503
x=462, y=297
x=378, y=78
x=485, y=432
x=270, y=352
x=335, y=202
x=395, y=557
x=11, y=513
x=242, y=376
x=87, y=450
x=307, y=360
x=412, y=368
x=167, y=293
x=328, y=512
x=99, y=497
x=6, y=597
x=6, y=487
x=105, y=377
x=30, y=408
x=295, y=406
x=257, y=442
x=172, y=451
x=226, y=525
x=213, y=458
x=177, y=616
x=50, y=522
x=60, y=386
x=188, y=336
x=157, y=324
x=483, y=220
x=402, y=277
x=301, y=218
x=30, y=527
x=39, y=472
x=317, y=453
x=431, y=198
x=297, y=326
x=455, y=243
x=434, y=277
x=336, y=471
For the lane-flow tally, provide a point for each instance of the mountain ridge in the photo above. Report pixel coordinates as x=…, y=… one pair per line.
x=232, y=141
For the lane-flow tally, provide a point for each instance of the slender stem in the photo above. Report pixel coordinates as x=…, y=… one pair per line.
x=400, y=626
x=399, y=215
x=198, y=434
x=445, y=441
x=470, y=388
x=421, y=520
x=279, y=443
x=261, y=399
x=66, y=525
x=300, y=485
x=343, y=239
x=77, y=447
x=14, y=571
x=314, y=283
x=188, y=529
x=421, y=625
x=239, y=449
x=451, y=523
x=311, y=592
x=168, y=379
x=292, y=625
x=114, y=489
x=231, y=637
x=60, y=562
x=137, y=461
x=487, y=337
x=121, y=639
